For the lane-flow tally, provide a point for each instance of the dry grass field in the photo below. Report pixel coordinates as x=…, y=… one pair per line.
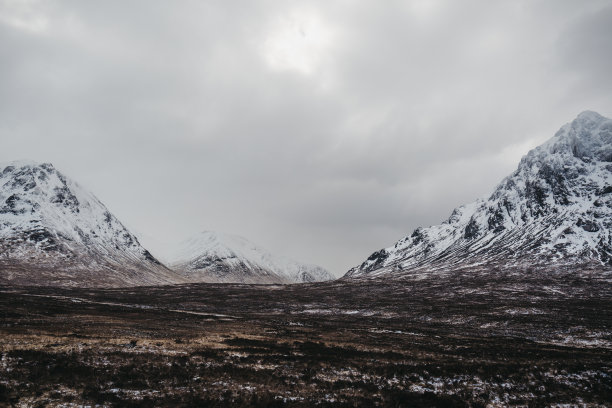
x=465, y=339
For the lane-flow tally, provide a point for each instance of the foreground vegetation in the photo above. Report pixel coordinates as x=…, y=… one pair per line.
x=466, y=339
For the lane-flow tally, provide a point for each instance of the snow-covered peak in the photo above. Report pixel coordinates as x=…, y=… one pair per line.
x=22, y=163
x=221, y=244
x=214, y=256
x=589, y=136
x=556, y=208
x=37, y=194
x=589, y=116
x=49, y=221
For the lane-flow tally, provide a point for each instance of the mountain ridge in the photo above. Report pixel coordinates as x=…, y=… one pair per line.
x=53, y=231
x=217, y=257
x=554, y=209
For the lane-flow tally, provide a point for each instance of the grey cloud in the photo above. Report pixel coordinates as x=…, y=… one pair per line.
x=584, y=49
x=170, y=113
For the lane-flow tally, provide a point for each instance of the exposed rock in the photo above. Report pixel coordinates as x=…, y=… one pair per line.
x=529, y=218
x=52, y=231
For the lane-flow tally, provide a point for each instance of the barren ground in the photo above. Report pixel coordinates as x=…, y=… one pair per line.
x=464, y=339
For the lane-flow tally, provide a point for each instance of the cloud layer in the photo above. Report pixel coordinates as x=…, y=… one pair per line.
x=321, y=130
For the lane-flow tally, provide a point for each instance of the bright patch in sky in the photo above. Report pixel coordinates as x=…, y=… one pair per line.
x=423, y=8
x=297, y=41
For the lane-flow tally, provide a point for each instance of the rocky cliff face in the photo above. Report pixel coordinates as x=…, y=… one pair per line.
x=215, y=257
x=52, y=231
x=554, y=210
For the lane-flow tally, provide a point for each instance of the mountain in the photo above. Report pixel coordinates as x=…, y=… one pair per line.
x=554, y=210
x=216, y=257
x=53, y=232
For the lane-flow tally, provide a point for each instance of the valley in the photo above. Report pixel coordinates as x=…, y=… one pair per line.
x=402, y=204
x=478, y=337
x=506, y=303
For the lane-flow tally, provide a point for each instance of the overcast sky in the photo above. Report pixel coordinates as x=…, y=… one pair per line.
x=322, y=130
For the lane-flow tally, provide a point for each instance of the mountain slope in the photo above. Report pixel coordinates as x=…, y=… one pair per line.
x=216, y=257
x=52, y=231
x=555, y=209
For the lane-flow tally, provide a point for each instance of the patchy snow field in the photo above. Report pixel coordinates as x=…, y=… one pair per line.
x=474, y=338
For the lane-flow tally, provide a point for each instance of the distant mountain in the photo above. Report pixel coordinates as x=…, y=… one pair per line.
x=216, y=257
x=53, y=232
x=554, y=210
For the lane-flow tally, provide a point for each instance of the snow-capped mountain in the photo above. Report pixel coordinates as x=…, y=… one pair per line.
x=52, y=231
x=554, y=210
x=215, y=257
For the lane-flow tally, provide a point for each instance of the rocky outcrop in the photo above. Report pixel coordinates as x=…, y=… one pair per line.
x=555, y=209
x=53, y=232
